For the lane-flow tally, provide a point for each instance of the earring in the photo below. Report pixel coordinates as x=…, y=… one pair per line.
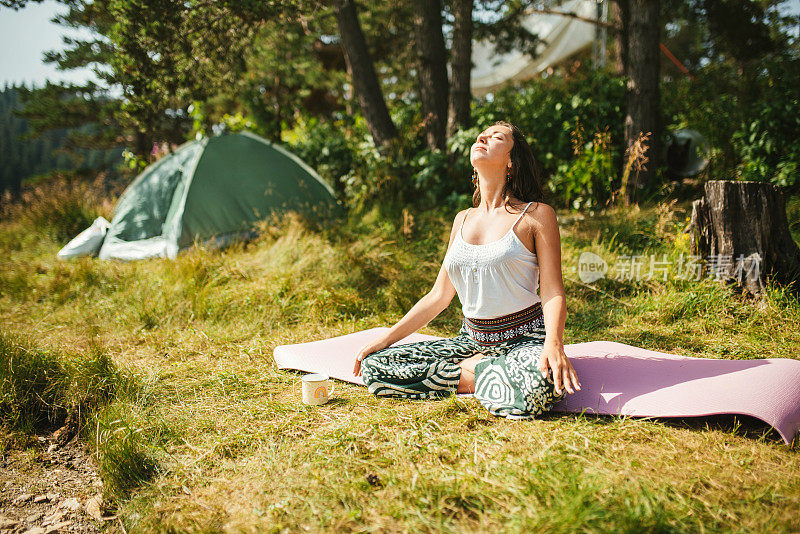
x=508, y=174
x=474, y=175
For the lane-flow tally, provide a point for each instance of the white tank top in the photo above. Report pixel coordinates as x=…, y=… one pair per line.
x=493, y=279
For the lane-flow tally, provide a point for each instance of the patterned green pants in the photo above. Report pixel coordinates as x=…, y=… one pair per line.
x=508, y=383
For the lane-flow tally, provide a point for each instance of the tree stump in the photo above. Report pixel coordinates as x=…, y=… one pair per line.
x=742, y=230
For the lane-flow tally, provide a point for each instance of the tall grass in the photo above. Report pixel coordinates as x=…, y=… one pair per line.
x=34, y=386
x=127, y=448
x=40, y=390
x=60, y=208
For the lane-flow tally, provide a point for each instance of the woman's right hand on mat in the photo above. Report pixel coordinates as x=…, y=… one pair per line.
x=564, y=375
x=365, y=351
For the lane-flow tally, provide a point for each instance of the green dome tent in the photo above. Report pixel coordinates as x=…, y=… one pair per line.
x=211, y=191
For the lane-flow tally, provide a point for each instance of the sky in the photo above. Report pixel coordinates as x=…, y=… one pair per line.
x=26, y=34
x=24, y=37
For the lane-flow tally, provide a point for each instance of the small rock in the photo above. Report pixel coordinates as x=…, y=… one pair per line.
x=33, y=518
x=7, y=522
x=70, y=504
x=52, y=447
x=52, y=497
x=57, y=527
x=23, y=497
x=53, y=519
x=93, y=505
x=41, y=498
x=35, y=530
x=63, y=434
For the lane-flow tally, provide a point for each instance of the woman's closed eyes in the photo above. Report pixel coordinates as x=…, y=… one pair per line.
x=497, y=135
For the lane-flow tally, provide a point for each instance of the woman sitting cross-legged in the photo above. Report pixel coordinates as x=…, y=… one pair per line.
x=509, y=351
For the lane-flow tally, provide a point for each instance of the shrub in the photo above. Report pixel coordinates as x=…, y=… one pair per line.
x=326, y=148
x=755, y=117
x=550, y=109
x=586, y=182
x=767, y=142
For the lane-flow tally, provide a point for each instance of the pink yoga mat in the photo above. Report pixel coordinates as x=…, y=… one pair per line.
x=620, y=379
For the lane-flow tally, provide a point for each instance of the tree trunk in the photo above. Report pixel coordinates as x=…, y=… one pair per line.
x=741, y=227
x=431, y=70
x=362, y=73
x=643, y=92
x=142, y=146
x=460, y=67
x=620, y=15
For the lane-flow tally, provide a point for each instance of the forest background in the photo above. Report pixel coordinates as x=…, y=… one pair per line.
x=185, y=70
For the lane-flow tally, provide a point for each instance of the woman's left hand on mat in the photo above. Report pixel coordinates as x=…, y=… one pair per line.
x=366, y=350
x=564, y=375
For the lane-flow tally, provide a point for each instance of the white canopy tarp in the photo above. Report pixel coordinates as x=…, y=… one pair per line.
x=563, y=37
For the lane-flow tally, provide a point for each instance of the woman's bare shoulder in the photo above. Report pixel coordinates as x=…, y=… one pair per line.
x=542, y=216
x=460, y=216
x=539, y=215
x=542, y=209
x=457, y=220
x=534, y=208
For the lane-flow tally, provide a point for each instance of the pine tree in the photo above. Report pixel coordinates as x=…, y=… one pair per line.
x=94, y=117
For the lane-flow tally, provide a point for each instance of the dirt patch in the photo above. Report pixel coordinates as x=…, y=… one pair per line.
x=51, y=487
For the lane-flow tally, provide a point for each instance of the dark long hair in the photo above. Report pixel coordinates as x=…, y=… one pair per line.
x=526, y=180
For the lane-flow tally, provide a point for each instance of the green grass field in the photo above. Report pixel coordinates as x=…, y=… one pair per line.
x=195, y=429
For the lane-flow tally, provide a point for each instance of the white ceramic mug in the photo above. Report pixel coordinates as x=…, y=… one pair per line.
x=317, y=389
